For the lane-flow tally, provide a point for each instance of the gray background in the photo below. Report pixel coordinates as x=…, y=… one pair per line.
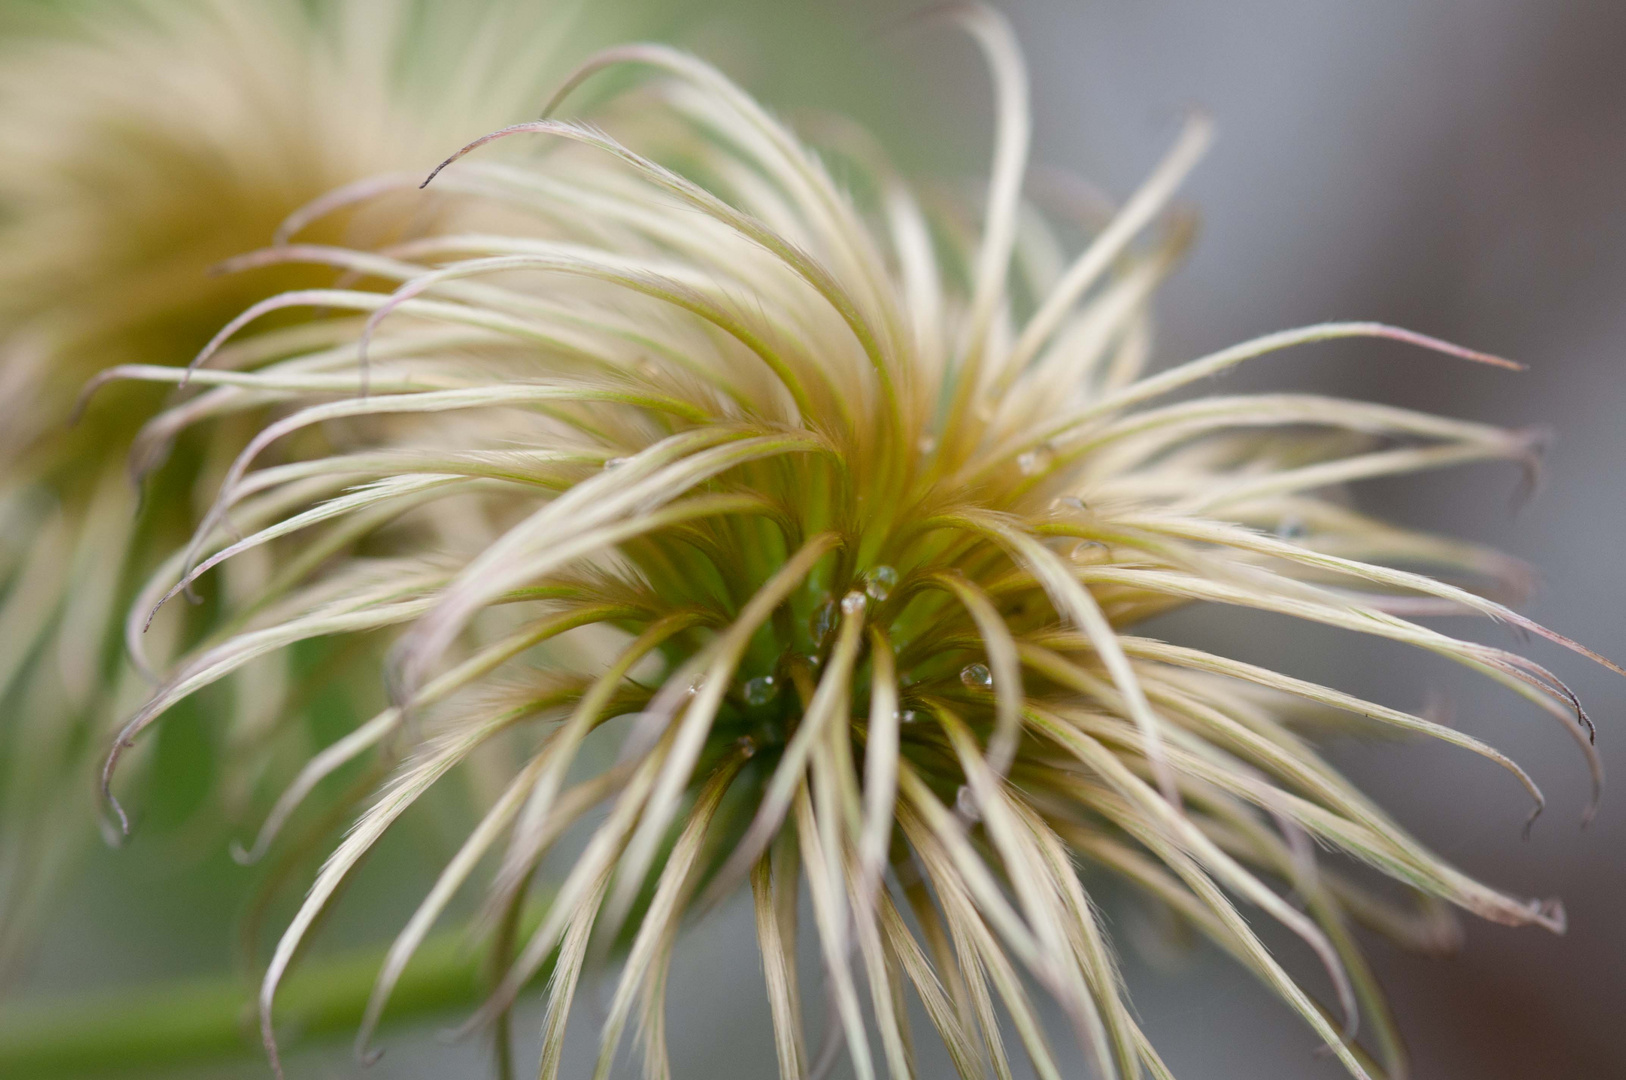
x=1455, y=167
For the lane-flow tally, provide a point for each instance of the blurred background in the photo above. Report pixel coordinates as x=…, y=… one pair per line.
x=1453, y=166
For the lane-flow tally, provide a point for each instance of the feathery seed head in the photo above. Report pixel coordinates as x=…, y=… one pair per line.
x=142, y=142
x=145, y=142
x=849, y=511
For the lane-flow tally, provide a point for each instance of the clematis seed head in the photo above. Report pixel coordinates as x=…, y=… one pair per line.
x=705, y=414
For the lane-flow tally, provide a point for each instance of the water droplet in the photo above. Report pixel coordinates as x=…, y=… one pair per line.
x=853, y=603
x=926, y=443
x=761, y=690
x=965, y=804
x=650, y=369
x=1068, y=502
x=880, y=583
x=908, y=716
x=1292, y=528
x=824, y=621
x=747, y=746
x=977, y=676
x=615, y=462
x=1035, y=461
x=1090, y=547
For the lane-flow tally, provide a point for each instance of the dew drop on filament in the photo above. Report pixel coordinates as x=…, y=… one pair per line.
x=965, y=804
x=1035, y=461
x=824, y=621
x=1085, y=548
x=880, y=582
x=977, y=676
x=761, y=690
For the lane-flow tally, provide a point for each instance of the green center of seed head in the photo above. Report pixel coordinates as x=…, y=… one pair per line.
x=770, y=701
x=769, y=704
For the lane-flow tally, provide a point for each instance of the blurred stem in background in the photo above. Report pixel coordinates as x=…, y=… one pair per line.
x=209, y=1018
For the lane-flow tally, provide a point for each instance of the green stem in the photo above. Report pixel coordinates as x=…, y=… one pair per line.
x=213, y=1017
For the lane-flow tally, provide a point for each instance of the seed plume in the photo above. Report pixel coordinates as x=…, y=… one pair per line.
x=796, y=526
